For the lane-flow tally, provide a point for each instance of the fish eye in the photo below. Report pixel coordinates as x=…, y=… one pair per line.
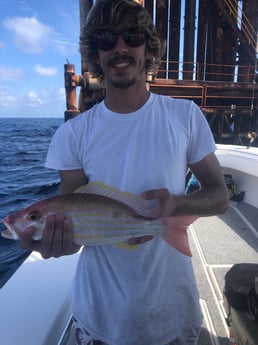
x=33, y=215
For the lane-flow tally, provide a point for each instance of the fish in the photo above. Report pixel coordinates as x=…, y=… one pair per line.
x=102, y=214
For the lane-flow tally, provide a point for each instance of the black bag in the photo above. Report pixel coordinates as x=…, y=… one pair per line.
x=253, y=300
x=231, y=186
x=232, y=189
x=241, y=290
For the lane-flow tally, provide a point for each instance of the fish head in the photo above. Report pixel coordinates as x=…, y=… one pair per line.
x=34, y=215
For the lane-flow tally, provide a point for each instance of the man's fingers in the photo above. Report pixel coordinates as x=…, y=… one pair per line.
x=155, y=194
x=26, y=241
x=139, y=240
x=68, y=233
x=57, y=238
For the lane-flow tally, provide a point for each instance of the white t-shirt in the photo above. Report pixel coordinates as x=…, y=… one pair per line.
x=145, y=296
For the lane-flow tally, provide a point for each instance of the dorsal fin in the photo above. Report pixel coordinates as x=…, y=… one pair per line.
x=141, y=206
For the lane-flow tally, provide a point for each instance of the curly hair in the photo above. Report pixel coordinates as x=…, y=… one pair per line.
x=108, y=14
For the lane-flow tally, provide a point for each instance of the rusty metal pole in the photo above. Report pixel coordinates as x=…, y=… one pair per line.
x=85, y=6
x=92, y=91
x=71, y=81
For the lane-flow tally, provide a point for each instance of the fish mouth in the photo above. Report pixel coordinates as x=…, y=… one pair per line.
x=13, y=230
x=7, y=234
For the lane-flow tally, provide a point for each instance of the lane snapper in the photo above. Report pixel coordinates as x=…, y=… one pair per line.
x=103, y=215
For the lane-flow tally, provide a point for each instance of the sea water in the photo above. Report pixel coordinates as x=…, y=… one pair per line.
x=23, y=178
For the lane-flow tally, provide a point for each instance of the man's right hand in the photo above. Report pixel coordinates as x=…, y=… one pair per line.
x=57, y=238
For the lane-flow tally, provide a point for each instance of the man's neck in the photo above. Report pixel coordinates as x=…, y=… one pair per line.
x=126, y=100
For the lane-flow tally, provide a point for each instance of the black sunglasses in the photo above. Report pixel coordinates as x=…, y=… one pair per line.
x=106, y=40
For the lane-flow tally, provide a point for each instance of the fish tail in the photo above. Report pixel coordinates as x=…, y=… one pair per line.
x=175, y=232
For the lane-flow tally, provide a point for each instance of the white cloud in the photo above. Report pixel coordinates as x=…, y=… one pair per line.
x=2, y=44
x=30, y=34
x=33, y=99
x=65, y=47
x=45, y=71
x=7, y=99
x=36, y=102
x=11, y=73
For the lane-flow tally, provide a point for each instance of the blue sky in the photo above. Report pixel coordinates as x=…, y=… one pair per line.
x=36, y=39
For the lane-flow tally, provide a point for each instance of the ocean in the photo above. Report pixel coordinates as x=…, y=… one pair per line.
x=23, y=178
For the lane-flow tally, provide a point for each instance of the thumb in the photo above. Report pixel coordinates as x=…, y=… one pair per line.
x=155, y=194
x=26, y=238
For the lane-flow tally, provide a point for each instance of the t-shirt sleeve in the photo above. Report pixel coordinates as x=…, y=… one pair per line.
x=201, y=141
x=63, y=152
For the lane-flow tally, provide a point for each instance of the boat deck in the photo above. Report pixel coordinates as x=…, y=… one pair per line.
x=217, y=243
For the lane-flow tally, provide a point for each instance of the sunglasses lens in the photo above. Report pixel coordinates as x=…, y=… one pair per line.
x=106, y=40
x=134, y=37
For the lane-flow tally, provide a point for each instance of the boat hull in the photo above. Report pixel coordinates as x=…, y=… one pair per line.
x=242, y=164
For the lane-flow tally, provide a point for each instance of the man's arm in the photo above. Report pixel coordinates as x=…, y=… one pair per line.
x=213, y=195
x=210, y=199
x=71, y=180
x=57, y=239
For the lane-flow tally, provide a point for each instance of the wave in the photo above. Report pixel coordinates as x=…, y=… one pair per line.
x=17, y=200
x=51, y=188
x=24, y=180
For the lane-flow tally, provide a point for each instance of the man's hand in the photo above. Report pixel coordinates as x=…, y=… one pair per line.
x=167, y=201
x=139, y=240
x=166, y=208
x=57, y=238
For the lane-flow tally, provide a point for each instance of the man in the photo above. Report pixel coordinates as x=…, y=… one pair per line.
x=142, y=143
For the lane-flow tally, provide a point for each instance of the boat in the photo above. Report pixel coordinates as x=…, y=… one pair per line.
x=223, y=241
x=35, y=307
x=242, y=163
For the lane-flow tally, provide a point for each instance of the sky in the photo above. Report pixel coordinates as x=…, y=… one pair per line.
x=37, y=37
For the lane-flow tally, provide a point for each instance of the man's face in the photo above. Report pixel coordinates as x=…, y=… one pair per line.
x=123, y=65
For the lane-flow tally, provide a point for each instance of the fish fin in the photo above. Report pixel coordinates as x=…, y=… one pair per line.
x=7, y=234
x=125, y=245
x=175, y=232
x=144, y=208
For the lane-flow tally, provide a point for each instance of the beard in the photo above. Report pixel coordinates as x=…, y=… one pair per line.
x=121, y=81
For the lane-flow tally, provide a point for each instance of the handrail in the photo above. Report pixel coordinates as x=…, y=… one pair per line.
x=207, y=71
x=246, y=26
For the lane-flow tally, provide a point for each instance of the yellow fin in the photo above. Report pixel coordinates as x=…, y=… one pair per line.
x=126, y=246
